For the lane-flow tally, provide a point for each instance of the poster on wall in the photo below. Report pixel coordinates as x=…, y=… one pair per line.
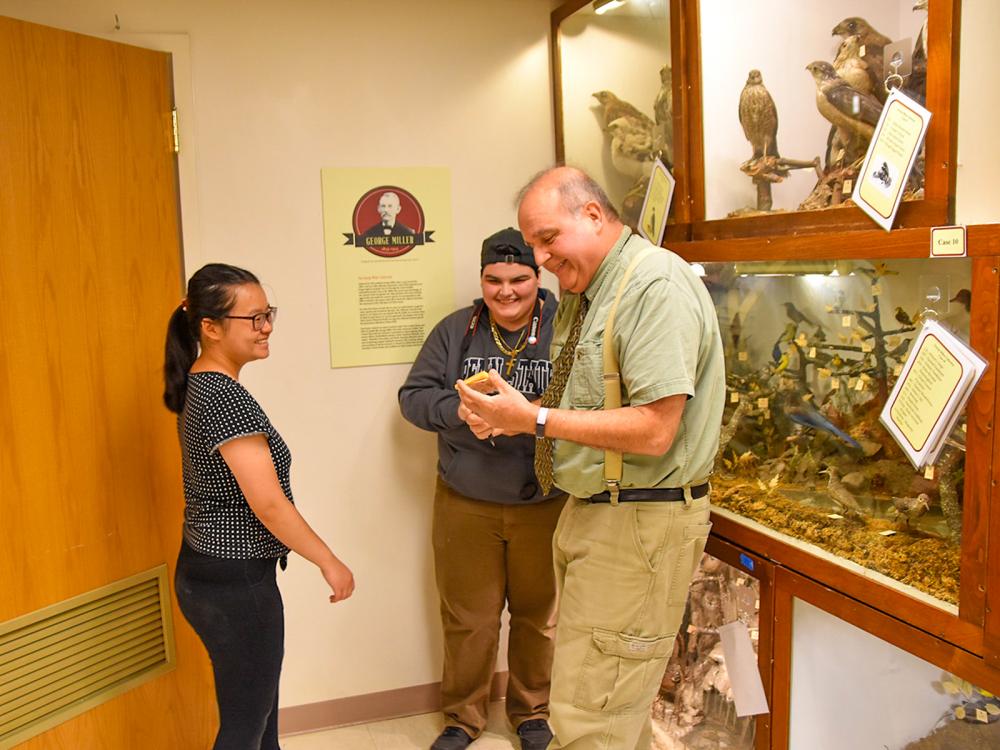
x=388, y=261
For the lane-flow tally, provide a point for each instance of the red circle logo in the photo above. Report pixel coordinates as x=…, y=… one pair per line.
x=388, y=221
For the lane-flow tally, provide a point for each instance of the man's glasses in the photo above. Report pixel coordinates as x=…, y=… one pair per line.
x=258, y=320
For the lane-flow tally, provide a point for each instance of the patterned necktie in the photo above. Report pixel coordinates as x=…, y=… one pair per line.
x=553, y=394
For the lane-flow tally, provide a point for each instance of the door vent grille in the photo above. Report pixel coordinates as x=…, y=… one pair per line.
x=65, y=659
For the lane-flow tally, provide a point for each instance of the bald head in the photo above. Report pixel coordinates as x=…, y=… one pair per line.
x=570, y=224
x=575, y=187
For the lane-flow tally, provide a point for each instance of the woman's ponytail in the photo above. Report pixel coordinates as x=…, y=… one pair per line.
x=211, y=294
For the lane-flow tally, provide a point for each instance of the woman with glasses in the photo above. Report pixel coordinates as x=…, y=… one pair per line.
x=239, y=519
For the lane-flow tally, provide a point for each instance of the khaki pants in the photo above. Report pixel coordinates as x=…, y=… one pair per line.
x=486, y=554
x=623, y=574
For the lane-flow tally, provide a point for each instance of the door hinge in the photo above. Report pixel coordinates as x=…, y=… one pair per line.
x=176, y=130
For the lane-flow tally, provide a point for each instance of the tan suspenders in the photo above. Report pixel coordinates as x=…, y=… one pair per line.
x=612, y=377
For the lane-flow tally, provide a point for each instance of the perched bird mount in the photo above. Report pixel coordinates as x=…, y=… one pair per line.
x=636, y=140
x=852, y=114
x=759, y=119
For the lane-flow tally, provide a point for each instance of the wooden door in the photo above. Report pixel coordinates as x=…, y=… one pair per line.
x=90, y=268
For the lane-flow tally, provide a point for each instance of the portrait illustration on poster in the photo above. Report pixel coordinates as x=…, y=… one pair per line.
x=389, y=277
x=388, y=221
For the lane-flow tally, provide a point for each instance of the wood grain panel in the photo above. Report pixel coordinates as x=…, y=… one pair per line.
x=979, y=443
x=90, y=268
x=932, y=619
x=983, y=241
x=969, y=666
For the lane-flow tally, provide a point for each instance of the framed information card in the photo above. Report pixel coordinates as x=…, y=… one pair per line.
x=931, y=392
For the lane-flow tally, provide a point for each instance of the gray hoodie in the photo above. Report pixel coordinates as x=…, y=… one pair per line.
x=503, y=473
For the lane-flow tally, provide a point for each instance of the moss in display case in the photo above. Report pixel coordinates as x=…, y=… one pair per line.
x=695, y=708
x=813, y=349
x=973, y=723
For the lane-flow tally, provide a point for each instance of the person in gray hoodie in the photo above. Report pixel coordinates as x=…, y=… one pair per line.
x=493, y=525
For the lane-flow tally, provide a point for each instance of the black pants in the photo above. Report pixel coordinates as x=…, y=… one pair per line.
x=236, y=609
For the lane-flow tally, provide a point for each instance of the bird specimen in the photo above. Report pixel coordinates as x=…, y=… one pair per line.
x=910, y=508
x=759, y=117
x=796, y=315
x=872, y=45
x=903, y=318
x=663, y=113
x=613, y=108
x=853, y=113
x=964, y=298
x=899, y=349
x=840, y=495
x=849, y=65
x=631, y=147
x=802, y=412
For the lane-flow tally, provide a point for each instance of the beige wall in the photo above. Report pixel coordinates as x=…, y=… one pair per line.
x=280, y=90
x=977, y=193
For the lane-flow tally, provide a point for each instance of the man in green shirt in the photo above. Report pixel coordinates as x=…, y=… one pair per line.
x=625, y=547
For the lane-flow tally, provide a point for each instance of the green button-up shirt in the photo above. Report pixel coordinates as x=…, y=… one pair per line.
x=667, y=338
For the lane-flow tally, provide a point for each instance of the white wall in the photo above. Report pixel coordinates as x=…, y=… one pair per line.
x=853, y=690
x=280, y=90
x=779, y=38
x=622, y=54
x=977, y=196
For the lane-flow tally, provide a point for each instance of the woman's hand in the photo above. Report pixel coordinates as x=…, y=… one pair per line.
x=340, y=578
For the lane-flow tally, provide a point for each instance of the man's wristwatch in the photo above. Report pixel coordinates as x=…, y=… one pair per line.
x=543, y=414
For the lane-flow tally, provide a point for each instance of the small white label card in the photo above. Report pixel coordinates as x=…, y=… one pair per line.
x=948, y=242
x=891, y=154
x=744, y=676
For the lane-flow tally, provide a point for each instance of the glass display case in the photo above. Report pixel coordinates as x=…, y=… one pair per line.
x=813, y=349
x=786, y=126
x=695, y=708
x=614, y=102
x=763, y=124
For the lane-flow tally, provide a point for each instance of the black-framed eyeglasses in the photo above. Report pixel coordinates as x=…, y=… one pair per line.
x=270, y=316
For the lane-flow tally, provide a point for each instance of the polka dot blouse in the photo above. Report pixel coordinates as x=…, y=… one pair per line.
x=217, y=519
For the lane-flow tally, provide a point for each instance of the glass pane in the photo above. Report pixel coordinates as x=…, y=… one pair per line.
x=695, y=710
x=813, y=349
x=616, y=95
x=781, y=137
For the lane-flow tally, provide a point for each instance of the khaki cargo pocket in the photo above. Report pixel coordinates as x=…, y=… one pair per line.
x=621, y=673
x=688, y=557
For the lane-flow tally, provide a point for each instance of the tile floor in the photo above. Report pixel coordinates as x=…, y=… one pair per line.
x=408, y=733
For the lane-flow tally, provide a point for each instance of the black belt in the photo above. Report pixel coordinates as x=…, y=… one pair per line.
x=652, y=495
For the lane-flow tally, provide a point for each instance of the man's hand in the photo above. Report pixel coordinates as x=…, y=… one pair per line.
x=480, y=428
x=506, y=413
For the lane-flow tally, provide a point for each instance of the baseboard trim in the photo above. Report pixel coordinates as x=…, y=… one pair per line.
x=361, y=709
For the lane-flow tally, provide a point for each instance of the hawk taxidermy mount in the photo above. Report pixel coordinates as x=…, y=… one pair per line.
x=759, y=119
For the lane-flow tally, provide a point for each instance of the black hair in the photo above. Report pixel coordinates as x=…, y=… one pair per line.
x=211, y=293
